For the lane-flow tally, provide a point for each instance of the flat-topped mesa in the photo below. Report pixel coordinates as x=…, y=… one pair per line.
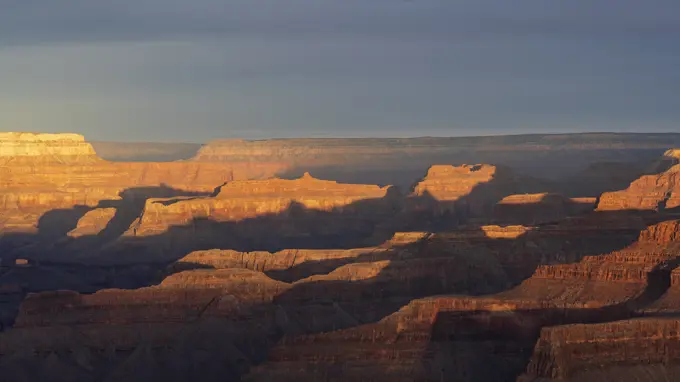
x=45, y=148
x=251, y=199
x=448, y=182
x=467, y=189
x=507, y=232
x=300, y=189
x=311, y=151
x=40, y=173
x=650, y=192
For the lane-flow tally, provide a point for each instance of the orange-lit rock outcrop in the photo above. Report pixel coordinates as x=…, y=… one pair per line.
x=32, y=148
x=240, y=200
x=650, y=192
x=44, y=172
x=473, y=189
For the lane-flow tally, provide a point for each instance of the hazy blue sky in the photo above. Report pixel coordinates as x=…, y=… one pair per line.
x=179, y=70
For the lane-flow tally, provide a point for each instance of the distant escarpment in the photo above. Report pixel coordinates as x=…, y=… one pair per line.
x=397, y=161
x=303, y=149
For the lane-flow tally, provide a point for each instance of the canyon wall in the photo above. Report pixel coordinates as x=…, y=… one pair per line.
x=18, y=148
x=398, y=161
x=45, y=172
x=354, y=314
x=650, y=192
x=194, y=271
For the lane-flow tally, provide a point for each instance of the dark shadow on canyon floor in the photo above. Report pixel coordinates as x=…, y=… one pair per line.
x=448, y=262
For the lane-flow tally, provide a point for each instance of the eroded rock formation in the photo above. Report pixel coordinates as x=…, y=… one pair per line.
x=40, y=173
x=93, y=222
x=650, y=192
x=17, y=148
x=240, y=200
x=539, y=292
x=400, y=161
x=349, y=314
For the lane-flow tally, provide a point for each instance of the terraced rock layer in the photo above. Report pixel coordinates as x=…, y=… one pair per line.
x=344, y=315
x=40, y=173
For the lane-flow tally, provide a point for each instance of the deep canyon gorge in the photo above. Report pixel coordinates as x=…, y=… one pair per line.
x=518, y=258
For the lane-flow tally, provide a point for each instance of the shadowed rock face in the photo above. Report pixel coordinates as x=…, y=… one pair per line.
x=145, y=151
x=352, y=314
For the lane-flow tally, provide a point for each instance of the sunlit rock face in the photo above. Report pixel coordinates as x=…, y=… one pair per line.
x=492, y=195
x=45, y=148
x=241, y=200
x=40, y=173
x=650, y=192
x=93, y=222
x=672, y=153
x=450, y=183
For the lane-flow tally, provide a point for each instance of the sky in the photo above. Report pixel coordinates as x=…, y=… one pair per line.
x=191, y=71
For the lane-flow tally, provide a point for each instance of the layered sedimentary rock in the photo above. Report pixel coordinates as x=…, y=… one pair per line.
x=17, y=148
x=294, y=264
x=45, y=172
x=93, y=222
x=242, y=200
x=630, y=350
x=262, y=215
x=449, y=196
x=465, y=338
x=493, y=194
x=223, y=297
x=347, y=314
x=452, y=183
x=467, y=304
x=650, y=192
x=400, y=161
x=342, y=151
